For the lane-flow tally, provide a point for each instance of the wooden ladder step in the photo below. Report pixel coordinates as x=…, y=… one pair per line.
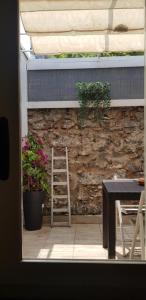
x=59, y=171
x=60, y=196
x=59, y=157
x=63, y=209
x=59, y=183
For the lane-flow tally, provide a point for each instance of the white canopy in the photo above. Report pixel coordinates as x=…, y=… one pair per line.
x=64, y=26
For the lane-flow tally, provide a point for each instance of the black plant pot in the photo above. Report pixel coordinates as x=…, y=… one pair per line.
x=32, y=208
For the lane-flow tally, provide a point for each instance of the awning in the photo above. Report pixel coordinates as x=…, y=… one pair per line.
x=63, y=26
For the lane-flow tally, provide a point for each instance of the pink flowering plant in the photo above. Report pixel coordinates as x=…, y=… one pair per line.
x=34, y=164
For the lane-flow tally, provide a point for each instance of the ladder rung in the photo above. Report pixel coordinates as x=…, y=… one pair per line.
x=63, y=209
x=60, y=224
x=60, y=197
x=59, y=170
x=59, y=157
x=60, y=183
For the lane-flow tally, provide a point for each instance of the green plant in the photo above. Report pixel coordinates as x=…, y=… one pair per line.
x=95, y=54
x=34, y=165
x=95, y=97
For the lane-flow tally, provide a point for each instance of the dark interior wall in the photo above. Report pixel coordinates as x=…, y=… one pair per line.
x=10, y=233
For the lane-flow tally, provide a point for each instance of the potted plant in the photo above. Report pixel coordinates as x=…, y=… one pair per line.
x=93, y=97
x=35, y=181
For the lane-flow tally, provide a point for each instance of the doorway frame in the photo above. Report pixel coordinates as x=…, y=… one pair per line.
x=43, y=279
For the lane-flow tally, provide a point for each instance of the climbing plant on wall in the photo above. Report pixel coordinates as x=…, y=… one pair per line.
x=93, y=97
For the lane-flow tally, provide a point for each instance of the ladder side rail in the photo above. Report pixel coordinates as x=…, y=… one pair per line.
x=68, y=188
x=52, y=186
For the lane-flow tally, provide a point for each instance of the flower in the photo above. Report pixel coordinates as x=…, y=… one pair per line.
x=34, y=164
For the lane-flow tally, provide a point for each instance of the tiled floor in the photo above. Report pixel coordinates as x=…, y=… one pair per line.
x=80, y=241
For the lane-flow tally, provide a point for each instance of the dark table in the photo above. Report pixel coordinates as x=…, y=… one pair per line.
x=127, y=189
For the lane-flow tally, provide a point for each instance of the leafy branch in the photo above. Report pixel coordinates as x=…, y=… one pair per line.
x=93, y=97
x=34, y=164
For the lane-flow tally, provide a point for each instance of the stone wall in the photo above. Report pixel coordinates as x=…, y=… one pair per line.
x=96, y=151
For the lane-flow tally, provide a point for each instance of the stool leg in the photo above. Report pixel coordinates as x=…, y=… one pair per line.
x=123, y=239
x=142, y=235
x=134, y=238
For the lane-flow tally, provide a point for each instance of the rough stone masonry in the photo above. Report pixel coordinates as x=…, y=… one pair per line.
x=97, y=151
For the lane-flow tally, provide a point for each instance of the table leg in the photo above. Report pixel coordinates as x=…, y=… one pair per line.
x=111, y=228
x=104, y=218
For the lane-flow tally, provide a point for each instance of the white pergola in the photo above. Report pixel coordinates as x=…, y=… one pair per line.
x=68, y=26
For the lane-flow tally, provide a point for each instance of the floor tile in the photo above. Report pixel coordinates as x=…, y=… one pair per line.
x=80, y=241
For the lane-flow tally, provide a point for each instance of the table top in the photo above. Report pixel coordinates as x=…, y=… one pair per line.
x=123, y=186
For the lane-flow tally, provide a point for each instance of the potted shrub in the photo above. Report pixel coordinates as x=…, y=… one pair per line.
x=35, y=181
x=93, y=97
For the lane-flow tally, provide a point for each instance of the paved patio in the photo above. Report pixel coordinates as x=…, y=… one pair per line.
x=80, y=241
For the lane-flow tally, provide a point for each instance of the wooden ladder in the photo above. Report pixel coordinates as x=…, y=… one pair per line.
x=54, y=197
